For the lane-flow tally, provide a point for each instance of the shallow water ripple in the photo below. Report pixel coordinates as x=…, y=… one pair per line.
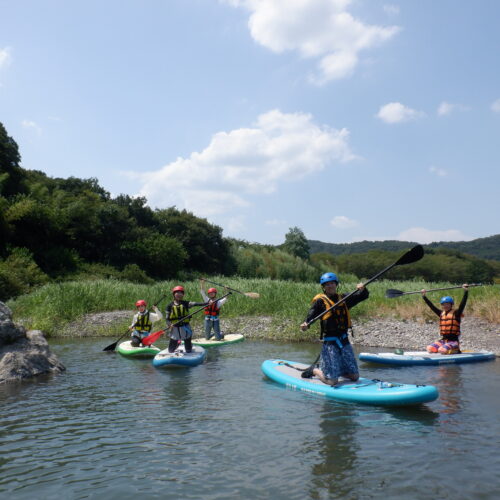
x=111, y=428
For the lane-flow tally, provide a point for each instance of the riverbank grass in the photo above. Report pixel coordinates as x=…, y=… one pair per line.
x=52, y=307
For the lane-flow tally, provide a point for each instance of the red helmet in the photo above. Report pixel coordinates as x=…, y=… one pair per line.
x=140, y=303
x=212, y=290
x=178, y=289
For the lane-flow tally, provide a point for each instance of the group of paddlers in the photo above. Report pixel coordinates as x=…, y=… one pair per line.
x=337, y=356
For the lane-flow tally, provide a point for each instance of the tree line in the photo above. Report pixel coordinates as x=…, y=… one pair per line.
x=54, y=229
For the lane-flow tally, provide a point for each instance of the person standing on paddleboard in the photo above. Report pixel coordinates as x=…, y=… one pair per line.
x=174, y=311
x=212, y=311
x=142, y=322
x=449, y=323
x=337, y=356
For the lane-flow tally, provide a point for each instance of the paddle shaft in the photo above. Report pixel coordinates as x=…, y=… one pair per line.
x=224, y=286
x=405, y=259
x=435, y=289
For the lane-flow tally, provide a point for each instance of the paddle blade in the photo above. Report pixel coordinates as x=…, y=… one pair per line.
x=111, y=347
x=416, y=253
x=152, y=338
x=391, y=293
x=252, y=295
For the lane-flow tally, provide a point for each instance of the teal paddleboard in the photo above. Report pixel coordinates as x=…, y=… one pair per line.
x=230, y=338
x=365, y=391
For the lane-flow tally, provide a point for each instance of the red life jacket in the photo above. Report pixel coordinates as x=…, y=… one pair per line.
x=212, y=309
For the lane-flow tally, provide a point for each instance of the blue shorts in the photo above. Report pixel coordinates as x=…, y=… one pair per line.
x=336, y=362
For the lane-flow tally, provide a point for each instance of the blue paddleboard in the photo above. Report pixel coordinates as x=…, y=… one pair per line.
x=412, y=358
x=365, y=391
x=180, y=357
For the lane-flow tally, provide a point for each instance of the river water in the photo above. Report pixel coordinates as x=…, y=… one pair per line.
x=116, y=428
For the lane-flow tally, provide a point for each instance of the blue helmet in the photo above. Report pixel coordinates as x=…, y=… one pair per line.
x=325, y=278
x=447, y=300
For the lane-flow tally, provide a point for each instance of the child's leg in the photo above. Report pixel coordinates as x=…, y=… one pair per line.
x=172, y=345
x=135, y=339
x=450, y=347
x=216, y=325
x=208, y=328
x=434, y=347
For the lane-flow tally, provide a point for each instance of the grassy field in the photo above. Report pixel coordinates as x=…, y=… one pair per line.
x=54, y=306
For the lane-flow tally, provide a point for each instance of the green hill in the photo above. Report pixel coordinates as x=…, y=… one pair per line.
x=484, y=248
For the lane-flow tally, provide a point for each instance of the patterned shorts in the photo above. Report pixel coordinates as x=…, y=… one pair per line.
x=444, y=347
x=336, y=362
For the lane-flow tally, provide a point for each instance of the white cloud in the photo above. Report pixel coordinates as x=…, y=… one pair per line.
x=275, y=222
x=343, y=222
x=5, y=57
x=391, y=9
x=440, y=172
x=422, y=235
x=495, y=106
x=316, y=29
x=446, y=108
x=29, y=124
x=395, y=112
x=247, y=161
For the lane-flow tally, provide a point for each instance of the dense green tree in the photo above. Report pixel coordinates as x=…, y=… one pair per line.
x=208, y=251
x=11, y=174
x=296, y=243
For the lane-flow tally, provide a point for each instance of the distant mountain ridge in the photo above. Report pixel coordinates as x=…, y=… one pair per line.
x=484, y=248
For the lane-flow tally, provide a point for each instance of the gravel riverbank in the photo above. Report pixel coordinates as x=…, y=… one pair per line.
x=380, y=332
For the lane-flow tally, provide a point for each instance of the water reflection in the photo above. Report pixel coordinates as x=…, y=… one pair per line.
x=335, y=451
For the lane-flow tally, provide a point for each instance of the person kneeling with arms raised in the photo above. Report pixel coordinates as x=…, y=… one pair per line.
x=449, y=323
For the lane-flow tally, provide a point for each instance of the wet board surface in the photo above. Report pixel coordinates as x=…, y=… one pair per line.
x=180, y=357
x=230, y=338
x=412, y=358
x=365, y=391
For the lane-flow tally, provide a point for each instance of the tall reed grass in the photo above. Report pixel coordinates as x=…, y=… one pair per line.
x=51, y=307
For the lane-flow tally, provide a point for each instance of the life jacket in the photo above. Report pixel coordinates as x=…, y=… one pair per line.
x=335, y=322
x=449, y=324
x=143, y=323
x=212, y=309
x=179, y=311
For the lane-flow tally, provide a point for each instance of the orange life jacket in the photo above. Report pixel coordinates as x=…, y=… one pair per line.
x=449, y=324
x=212, y=309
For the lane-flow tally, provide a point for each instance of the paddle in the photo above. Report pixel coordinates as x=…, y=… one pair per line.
x=112, y=347
x=252, y=295
x=412, y=255
x=153, y=337
x=391, y=293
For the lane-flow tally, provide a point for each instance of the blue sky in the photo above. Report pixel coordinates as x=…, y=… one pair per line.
x=352, y=120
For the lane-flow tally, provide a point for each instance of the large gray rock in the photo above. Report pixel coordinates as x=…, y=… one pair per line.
x=23, y=354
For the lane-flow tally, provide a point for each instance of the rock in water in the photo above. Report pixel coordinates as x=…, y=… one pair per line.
x=23, y=354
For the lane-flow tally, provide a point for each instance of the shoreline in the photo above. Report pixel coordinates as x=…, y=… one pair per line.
x=477, y=334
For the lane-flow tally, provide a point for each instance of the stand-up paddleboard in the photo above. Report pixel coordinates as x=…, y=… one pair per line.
x=230, y=338
x=180, y=357
x=412, y=358
x=127, y=349
x=365, y=391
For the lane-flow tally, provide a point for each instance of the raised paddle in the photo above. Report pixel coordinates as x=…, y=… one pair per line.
x=391, y=293
x=252, y=295
x=412, y=255
x=112, y=347
x=153, y=337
